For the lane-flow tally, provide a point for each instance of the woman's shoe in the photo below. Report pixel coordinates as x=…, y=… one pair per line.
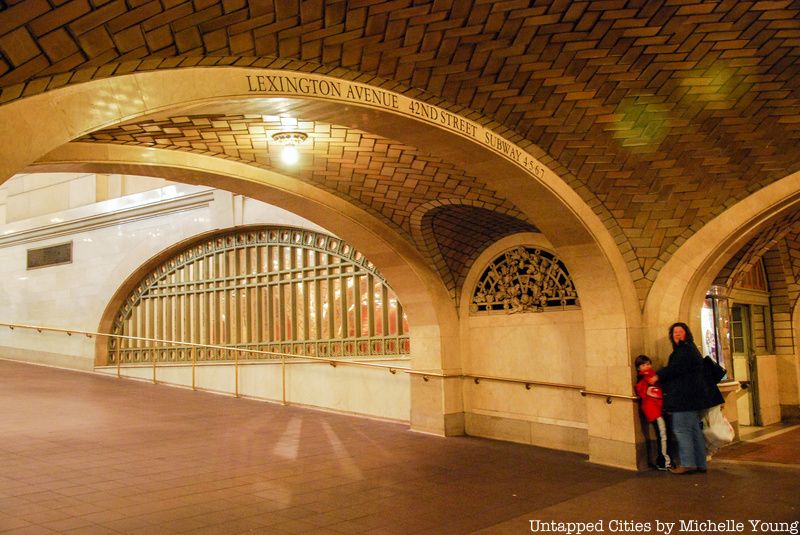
x=683, y=470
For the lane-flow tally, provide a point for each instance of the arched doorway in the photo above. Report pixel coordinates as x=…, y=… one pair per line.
x=714, y=256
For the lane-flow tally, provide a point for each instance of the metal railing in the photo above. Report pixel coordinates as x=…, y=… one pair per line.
x=286, y=359
x=529, y=383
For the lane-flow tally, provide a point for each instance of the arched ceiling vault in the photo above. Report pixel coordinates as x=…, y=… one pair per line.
x=782, y=231
x=390, y=179
x=659, y=114
x=779, y=248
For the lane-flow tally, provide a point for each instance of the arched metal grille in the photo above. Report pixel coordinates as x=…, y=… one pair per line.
x=524, y=279
x=273, y=289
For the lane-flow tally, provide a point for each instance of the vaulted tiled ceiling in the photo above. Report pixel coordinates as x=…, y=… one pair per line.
x=387, y=178
x=457, y=234
x=778, y=248
x=661, y=114
x=783, y=230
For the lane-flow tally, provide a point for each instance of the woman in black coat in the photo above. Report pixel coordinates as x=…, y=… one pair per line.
x=685, y=397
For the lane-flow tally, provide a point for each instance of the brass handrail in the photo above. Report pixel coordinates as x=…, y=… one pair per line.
x=609, y=395
x=194, y=346
x=332, y=362
x=426, y=375
x=529, y=383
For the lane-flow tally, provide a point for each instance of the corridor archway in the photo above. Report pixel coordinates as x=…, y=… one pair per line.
x=599, y=271
x=681, y=286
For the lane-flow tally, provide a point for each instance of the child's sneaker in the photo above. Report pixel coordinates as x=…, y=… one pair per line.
x=663, y=464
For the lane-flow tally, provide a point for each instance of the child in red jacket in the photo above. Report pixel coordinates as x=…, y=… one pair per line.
x=652, y=404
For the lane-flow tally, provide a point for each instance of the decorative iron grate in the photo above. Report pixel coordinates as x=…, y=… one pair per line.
x=282, y=290
x=524, y=279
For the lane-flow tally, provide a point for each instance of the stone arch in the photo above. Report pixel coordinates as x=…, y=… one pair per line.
x=40, y=124
x=27, y=88
x=142, y=93
x=401, y=264
x=133, y=95
x=789, y=249
x=767, y=240
x=680, y=287
x=434, y=341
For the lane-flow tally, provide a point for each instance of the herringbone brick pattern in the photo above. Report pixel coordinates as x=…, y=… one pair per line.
x=767, y=239
x=385, y=177
x=457, y=234
x=780, y=307
x=790, y=257
x=660, y=113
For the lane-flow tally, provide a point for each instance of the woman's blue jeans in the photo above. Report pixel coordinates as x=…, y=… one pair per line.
x=689, y=435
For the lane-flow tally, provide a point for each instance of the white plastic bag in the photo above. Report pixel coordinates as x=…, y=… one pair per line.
x=717, y=430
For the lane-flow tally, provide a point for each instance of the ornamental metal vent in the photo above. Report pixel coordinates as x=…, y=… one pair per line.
x=272, y=289
x=524, y=279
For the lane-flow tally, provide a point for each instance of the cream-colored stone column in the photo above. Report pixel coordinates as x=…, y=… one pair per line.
x=436, y=402
x=615, y=435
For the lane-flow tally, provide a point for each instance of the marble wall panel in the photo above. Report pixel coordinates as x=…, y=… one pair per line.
x=74, y=295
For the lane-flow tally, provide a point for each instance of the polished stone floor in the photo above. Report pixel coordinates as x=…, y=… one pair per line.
x=780, y=445
x=81, y=453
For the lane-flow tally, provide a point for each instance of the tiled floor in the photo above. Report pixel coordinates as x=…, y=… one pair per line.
x=80, y=453
x=777, y=444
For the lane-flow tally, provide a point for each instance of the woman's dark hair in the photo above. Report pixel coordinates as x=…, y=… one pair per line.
x=689, y=338
x=641, y=359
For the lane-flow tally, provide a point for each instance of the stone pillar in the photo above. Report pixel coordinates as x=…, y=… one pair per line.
x=436, y=402
x=436, y=406
x=615, y=433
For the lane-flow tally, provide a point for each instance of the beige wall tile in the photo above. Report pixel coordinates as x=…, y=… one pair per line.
x=613, y=453
x=768, y=391
x=75, y=295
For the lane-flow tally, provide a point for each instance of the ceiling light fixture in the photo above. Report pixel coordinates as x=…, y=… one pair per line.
x=289, y=140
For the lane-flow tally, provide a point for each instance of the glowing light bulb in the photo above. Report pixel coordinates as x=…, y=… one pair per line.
x=289, y=155
x=289, y=140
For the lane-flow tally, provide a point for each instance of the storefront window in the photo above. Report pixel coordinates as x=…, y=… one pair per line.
x=710, y=344
x=715, y=325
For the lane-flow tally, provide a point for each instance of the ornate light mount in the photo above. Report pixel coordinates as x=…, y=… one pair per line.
x=289, y=140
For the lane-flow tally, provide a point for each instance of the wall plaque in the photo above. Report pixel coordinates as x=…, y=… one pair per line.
x=50, y=256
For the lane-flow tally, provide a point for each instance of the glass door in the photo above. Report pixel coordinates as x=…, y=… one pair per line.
x=744, y=363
